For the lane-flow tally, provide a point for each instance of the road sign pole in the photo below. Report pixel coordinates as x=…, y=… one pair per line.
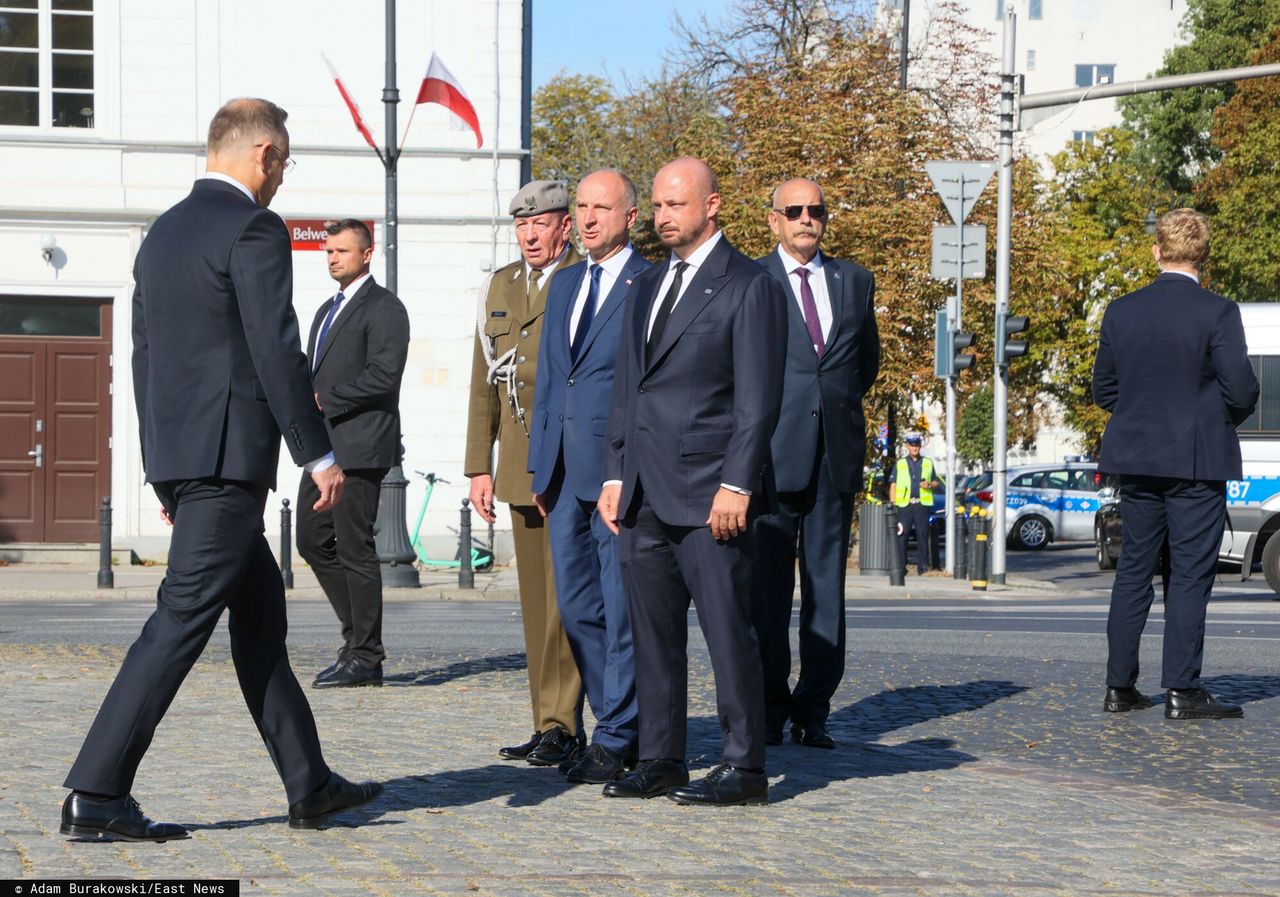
x=953, y=324
x=1004, y=223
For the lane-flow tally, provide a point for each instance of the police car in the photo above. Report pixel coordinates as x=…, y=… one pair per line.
x=1050, y=502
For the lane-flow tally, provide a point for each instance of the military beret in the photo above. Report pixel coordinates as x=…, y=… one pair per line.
x=537, y=197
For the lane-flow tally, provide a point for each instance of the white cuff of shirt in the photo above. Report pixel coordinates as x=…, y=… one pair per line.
x=737, y=489
x=611, y=483
x=320, y=464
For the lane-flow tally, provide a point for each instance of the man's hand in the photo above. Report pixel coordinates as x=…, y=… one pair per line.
x=319, y=407
x=330, y=482
x=164, y=515
x=481, y=496
x=540, y=503
x=728, y=514
x=607, y=506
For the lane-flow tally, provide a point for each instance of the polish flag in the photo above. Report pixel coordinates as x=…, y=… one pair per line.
x=351, y=104
x=439, y=86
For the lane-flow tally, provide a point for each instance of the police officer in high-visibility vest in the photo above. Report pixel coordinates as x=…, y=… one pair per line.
x=914, y=480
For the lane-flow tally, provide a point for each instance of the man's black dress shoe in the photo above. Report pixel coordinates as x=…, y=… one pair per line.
x=330, y=799
x=520, y=751
x=555, y=745
x=1122, y=700
x=1197, y=703
x=814, y=735
x=725, y=786
x=351, y=673
x=651, y=778
x=331, y=668
x=597, y=766
x=112, y=819
x=571, y=759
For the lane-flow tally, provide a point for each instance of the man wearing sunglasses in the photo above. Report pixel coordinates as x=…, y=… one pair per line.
x=833, y=356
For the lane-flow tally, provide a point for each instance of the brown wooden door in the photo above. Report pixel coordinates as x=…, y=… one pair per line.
x=55, y=401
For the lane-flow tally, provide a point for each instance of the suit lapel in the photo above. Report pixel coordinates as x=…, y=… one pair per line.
x=562, y=339
x=609, y=307
x=837, y=283
x=344, y=315
x=773, y=264
x=706, y=283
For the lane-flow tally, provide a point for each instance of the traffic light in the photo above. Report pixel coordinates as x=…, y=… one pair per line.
x=1007, y=326
x=949, y=355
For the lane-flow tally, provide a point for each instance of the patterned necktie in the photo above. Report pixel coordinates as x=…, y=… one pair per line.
x=588, y=313
x=664, y=311
x=328, y=322
x=811, y=313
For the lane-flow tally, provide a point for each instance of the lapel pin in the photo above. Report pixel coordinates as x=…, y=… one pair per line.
x=628, y=281
x=707, y=291
x=835, y=274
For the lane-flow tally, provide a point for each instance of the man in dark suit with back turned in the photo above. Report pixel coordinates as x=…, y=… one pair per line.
x=357, y=349
x=1173, y=370
x=833, y=356
x=566, y=452
x=218, y=375
x=695, y=401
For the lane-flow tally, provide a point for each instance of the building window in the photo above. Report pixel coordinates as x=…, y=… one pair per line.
x=1089, y=75
x=1036, y=9
x=46, y=63
x=1031, y=60
x=1086, y=137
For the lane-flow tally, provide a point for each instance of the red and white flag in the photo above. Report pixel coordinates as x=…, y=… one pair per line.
x=439, y=86
x=351, y=104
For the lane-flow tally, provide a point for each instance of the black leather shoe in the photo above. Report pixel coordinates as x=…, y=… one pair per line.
x=651, y=778
x=331, y=668
x=556, y=745
x=352, y=673
x=725, y=786
x=330, y=799
x=520, y=751
x=1197, y=703
x=1122, y=700
x=571, y=760
x=597, y=766
x=814, y=735
x=113, y=819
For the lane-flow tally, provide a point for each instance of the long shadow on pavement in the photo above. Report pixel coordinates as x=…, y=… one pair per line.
x=459, y=670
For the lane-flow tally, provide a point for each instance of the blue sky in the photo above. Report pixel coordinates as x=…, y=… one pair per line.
x=611, y=38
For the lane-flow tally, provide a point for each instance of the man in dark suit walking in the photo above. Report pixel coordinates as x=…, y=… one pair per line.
x=1173, y=370
x=357, y=349
x=218, y=375
x=566, y=454
x=695, y=402
x=833, y=356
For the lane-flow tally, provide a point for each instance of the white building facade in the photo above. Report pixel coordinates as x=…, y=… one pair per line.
x=104, y=106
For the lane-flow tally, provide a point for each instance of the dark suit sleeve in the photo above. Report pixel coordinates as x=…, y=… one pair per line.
x=869, y=357
x=759, y=363
x=387, y=347
x=1106, y=388
x=141, y=365
x=1230, y=358
x=262, y=273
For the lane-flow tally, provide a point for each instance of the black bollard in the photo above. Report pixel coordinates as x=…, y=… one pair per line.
x=286, y=544
x=106, y=578
x=961, y=554
x=897, y=564
x=466, y=576
x=396, y=556
x=978, y=575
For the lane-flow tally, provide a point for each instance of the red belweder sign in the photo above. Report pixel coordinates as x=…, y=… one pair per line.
x=308, y=233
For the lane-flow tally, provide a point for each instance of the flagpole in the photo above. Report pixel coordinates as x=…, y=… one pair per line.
x=390, y=97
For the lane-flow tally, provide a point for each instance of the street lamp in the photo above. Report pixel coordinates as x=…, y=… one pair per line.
x=1149, y=223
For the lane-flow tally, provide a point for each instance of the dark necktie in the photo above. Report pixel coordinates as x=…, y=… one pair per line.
x=664, y=311
x=328, y=322
x=588, y=313
x=811, y=313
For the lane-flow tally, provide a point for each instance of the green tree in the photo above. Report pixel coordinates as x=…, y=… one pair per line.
x=1174, y=125
x=975, y=428
x=1243, y=192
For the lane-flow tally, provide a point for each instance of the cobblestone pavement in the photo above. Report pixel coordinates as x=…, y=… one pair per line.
x=970, y=762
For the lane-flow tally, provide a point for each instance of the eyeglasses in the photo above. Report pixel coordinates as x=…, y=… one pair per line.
x=286, y=161
x=791, y=213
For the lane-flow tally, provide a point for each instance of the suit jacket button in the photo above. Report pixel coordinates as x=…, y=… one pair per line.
x=571, y=383
x=520, y=385
x=562, y=417
x=814, y=412
x=521, y=360
x=642, y=389
x=523, y=334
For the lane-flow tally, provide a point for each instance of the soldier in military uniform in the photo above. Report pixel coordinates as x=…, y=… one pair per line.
x=502, y=383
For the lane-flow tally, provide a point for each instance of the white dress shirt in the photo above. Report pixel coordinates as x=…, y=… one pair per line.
x=228, y=179
x=817, y=283
x=610, y=270
x=1183, y=273
x=694, y=261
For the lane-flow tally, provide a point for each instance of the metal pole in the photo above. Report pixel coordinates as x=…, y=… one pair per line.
x=1004, y=223
x=106, y=577
x=1146, y=85
x=390, y=97
x=897, y=563
x=466, y=575
x=953, y=325
x=286, y=544
x=906, y=37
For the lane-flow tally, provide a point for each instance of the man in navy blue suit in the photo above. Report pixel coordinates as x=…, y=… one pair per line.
x=1173, y=370
x=566, y=454
x=833, y=356
x=695, y=402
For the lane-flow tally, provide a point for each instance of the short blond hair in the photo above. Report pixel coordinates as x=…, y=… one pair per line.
x=1183, y=237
